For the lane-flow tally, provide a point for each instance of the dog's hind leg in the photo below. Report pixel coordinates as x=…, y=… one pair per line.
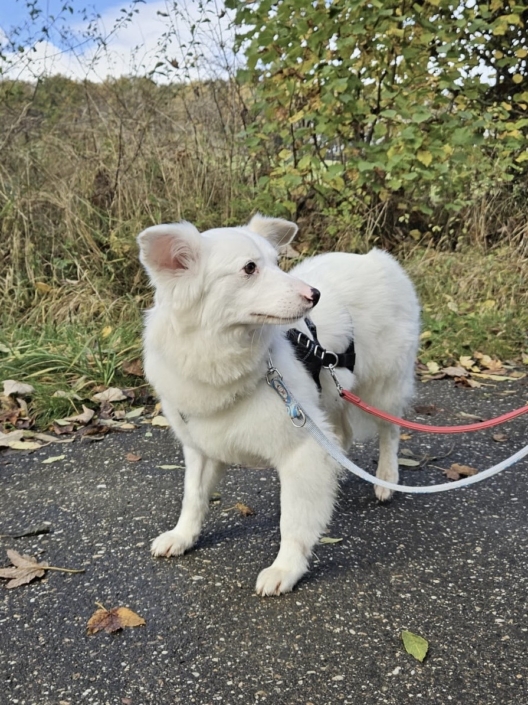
x=308, y=485
x=201, y=477
x=389, y=440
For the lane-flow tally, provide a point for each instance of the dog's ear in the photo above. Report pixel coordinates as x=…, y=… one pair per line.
x=278, y=231
x=172, y=248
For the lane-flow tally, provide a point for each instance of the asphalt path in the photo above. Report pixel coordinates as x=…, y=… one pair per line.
x=450, y=567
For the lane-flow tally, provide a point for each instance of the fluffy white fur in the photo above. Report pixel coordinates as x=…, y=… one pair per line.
x=206, y=346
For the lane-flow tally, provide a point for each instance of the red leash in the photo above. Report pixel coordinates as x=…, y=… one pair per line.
x=353, y=399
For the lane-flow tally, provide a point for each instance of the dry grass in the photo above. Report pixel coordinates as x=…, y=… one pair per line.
x=85, y=167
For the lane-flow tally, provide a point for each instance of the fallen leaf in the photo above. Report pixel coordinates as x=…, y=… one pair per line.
x=494, y=377
x=60, y=429
x=490, y=364
x=135, y=413
x=524, y=358
x=451, y=474
x=43, y=288
x=172, y=467
x=500, y=437
x=468, y=382
x=53, y=459
x=110, y=395
x=24, y=445
x=133, y=367
x=160, y=421
x=84, y=418
x=415, y=645
x=405, y=436
x=7, y=438
x=25, y=569
x=433, y=367
x=243, y=509
x=132, y=457
x=465, y=470
x=12, y=387
x=467, y=362
x=329, y=539
x=408, y=462
x=426, y=409
x=106, y=331
x=465, y=415
x=113, y=620
x=455, y=371
x=61, y=394
x=46, y=438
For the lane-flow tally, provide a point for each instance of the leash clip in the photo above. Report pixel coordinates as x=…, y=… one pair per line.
x=331, y=369
x=274, y=380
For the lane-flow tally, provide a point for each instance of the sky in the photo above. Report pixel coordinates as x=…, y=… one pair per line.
x=137, y=39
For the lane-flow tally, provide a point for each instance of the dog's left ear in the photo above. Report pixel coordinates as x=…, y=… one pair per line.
x=276, y=230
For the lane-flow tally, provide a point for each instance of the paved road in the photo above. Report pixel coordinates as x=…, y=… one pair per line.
x=449, y=567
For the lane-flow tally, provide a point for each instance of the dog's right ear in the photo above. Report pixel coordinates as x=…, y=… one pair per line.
x=170, y=249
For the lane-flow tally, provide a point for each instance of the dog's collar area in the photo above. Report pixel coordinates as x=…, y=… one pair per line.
x=314, y=357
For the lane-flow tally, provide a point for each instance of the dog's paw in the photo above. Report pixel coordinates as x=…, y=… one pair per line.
x=275, y=581
x=170, y=544
x=383, y=493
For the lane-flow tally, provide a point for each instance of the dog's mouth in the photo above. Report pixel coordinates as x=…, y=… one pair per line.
x=268, y=318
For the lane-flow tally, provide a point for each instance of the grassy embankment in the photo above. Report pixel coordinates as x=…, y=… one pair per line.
x=84, y=168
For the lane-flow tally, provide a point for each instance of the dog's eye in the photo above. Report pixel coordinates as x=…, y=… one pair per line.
x=250, y=268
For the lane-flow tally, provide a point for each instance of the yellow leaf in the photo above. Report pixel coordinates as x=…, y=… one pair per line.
x=426, y=335
x=43, y=288
x=160, y=421
x=424, y=157
x=106, y=331
x=295, y=118
x=517, y=78
x=498, y=54
x=467, y=362
x=53, y=459
x=521, y=53
x=433, y=367
x=24, y=445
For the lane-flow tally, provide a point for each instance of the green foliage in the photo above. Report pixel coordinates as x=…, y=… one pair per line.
x=400, y=112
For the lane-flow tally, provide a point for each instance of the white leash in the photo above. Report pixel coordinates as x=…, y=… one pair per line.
x=299, y=418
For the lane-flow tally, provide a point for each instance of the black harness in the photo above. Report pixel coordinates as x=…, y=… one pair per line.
x=314, y=357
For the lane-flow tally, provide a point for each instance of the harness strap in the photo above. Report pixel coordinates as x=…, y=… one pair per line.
x=314, y=357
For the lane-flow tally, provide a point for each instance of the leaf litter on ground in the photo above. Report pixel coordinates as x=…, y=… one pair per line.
x=25, y=569
x=415, y=645
x=113, y=620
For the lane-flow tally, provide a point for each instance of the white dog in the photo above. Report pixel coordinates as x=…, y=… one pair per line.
x=222, y=306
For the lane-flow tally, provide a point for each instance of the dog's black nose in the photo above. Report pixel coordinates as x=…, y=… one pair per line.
x=316, y=295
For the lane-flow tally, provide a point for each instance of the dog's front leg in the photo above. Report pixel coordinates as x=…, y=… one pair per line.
x=308, y=480
x=201, y=477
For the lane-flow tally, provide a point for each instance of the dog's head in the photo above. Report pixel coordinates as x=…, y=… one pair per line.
x=225, y=276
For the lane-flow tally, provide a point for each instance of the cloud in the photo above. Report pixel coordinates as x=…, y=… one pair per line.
x=156, y=36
